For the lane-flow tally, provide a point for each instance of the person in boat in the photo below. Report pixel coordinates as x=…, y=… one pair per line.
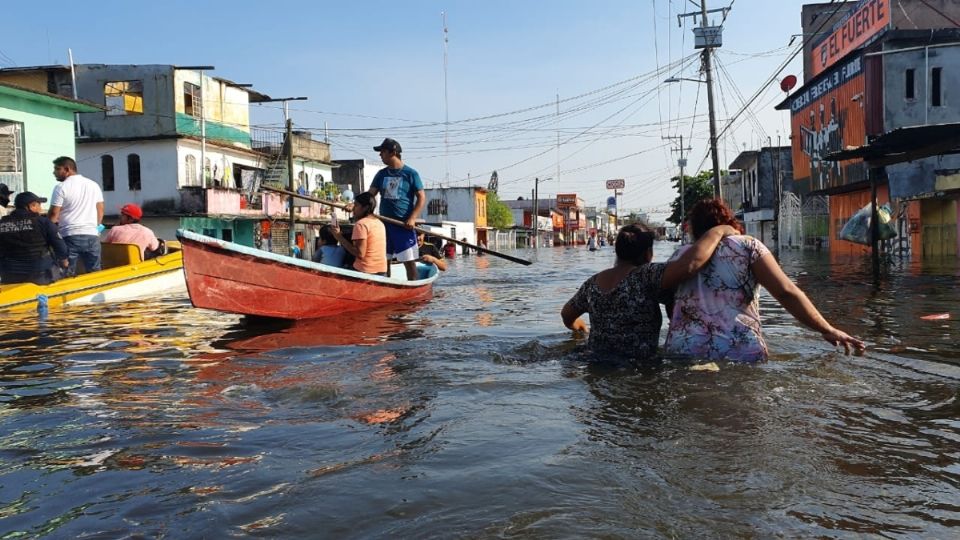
x=402, y=198
x=368, y=243
x=77, y=207
x=129, y=231
x=716, y=312
x=330, y=252
x=429, y=252
x=623, y=301
x=26, y=240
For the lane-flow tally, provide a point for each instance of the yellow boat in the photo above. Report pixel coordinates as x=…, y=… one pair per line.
x=125, y=276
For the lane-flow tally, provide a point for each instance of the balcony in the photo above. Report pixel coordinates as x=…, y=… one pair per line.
x=233, y=202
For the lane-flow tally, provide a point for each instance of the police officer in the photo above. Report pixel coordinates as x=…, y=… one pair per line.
x=26, y=238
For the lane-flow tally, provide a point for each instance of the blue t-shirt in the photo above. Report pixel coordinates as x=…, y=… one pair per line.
x=398, y=191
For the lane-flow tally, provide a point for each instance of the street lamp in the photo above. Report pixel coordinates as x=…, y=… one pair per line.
x=713, y=124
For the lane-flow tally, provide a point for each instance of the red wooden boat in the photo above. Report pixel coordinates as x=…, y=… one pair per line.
x=228, y=277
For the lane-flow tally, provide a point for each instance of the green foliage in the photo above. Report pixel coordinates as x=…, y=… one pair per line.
x=498, y=214
x=695, y=188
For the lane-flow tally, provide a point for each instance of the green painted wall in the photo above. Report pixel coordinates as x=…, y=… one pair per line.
x=48, y=133
x=188, y=125
x=241, y=229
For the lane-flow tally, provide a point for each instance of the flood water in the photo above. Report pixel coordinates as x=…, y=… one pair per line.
x=474, y=416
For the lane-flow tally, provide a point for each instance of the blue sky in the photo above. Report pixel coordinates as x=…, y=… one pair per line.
x=373, y=69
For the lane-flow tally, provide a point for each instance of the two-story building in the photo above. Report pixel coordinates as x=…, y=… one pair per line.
x=871, y=68
x=177, y=141
x=762, y=175
x=463, y=205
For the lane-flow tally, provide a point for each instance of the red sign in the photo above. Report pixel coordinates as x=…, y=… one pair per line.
x=565, y=200
x=866, y=20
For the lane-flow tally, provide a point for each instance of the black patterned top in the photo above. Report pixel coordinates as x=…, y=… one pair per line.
x=625, y=320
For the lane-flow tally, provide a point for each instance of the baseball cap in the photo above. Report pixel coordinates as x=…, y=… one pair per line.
x=132, y=210
x=26, y=198
x=388, y=144
x=4, y=190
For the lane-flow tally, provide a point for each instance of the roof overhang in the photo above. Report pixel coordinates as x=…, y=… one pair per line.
x=905, y=144
x=75, y=105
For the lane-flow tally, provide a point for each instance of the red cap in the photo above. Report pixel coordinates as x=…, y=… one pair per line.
x=132, y=210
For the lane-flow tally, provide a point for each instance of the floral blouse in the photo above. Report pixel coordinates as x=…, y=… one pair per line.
x=625, y=320
x=716, y=313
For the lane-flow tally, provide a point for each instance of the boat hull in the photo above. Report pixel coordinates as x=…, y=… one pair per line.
x=227, y=277
x=155, y=276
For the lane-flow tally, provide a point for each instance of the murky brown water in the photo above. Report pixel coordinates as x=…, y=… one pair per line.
x=473, y=416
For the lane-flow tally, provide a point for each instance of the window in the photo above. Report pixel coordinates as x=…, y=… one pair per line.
x=909, y=85
x=935, y=87
x=133, y=172
x=437, y=207
x=11, y=148
x=123, y=97
x=227, y=234
x=207, y=175
x=106, y=172
x=190, y=171
x=319, y=179
x=192, y=101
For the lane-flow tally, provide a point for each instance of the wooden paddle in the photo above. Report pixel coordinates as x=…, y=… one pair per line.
x=401, y=224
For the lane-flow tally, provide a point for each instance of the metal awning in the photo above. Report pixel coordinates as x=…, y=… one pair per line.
x=905, y=144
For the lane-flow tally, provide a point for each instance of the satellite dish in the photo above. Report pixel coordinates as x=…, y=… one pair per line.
x=788, y=83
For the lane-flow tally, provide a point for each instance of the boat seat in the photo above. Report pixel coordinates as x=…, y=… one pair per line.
x=114, y=255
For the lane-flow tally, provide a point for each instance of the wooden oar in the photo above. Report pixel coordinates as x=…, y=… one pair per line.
x=401, y=224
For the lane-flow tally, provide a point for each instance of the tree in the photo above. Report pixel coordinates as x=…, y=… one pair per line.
x=696, y=188
x=498, y=214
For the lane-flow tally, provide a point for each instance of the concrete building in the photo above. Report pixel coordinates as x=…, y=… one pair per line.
x=762, y=173
x=177, y=141
x=36, y=127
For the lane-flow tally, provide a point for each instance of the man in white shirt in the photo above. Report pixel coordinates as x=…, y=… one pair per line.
x=77, y=206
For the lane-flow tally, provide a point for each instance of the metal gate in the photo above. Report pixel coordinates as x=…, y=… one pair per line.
x=790, y=227
x=816, y=222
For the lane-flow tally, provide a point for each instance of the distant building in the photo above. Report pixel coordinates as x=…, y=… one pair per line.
x=458, y=204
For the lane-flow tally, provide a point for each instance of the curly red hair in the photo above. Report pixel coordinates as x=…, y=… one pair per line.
x=709, y=213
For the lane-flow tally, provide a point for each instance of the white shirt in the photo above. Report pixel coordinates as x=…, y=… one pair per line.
x=77, y=197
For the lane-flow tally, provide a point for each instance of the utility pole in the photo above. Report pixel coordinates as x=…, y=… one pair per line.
x=708, y=67
x=290, y=185
x=707, y=38
x=682, y=162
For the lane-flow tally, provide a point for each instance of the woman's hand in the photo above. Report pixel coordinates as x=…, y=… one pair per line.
x=579, y=327
x=727, y=230
x=837, y=338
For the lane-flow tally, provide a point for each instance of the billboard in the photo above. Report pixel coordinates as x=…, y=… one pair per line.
x=611, y=202
x=867, y=19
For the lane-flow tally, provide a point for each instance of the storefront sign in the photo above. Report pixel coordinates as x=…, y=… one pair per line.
x=865, y=21
x=566, y=200
x=616, y=183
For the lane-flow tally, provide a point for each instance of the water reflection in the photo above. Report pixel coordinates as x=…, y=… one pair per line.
x=407, y=422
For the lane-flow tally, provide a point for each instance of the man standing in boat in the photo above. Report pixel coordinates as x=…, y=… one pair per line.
x=402, y=198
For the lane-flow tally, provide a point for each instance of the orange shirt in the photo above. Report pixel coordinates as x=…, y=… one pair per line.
x=373, y=259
